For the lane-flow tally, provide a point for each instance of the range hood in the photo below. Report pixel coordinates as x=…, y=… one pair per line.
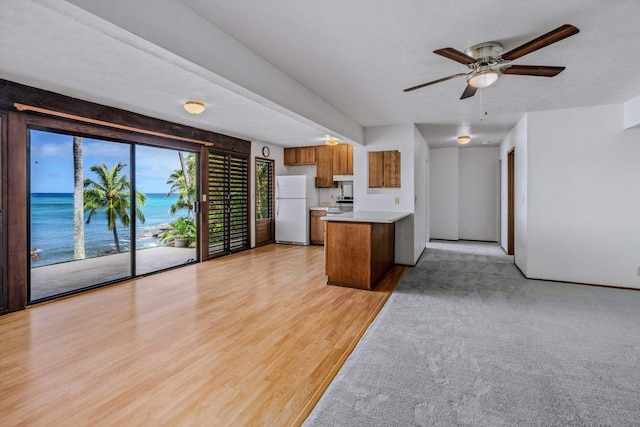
x=343, y=177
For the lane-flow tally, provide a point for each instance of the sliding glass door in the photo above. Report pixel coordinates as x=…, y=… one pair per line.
x=103, y=211
x=169, y=235
x=80, y=199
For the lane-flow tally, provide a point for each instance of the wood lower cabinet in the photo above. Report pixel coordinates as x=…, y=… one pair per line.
x=316, y=226
x=357, y=254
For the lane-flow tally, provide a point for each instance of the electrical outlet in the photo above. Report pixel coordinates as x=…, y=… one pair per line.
x=638, y=271
x=332, y=196
x=397, y=200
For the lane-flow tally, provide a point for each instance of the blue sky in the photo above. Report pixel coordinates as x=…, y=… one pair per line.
x=52, y=162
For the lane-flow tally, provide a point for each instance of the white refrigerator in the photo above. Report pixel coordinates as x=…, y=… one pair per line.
x=295, y=194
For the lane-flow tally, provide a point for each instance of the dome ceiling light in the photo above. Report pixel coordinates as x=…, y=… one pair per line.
x=194, y=107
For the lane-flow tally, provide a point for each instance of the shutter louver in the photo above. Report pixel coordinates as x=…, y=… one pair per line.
x=228, y=204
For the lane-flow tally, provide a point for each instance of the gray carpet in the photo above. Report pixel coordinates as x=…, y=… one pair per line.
x=465, y=339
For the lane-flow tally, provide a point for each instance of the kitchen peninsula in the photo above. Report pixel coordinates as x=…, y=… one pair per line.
x=359, y=247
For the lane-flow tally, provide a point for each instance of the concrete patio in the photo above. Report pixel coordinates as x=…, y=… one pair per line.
x=69, y=276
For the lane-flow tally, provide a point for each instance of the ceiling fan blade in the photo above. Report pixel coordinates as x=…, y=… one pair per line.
x=469, y=91
x=409, y=89
x=551, y=37
x=456, y=55
x=532, y=70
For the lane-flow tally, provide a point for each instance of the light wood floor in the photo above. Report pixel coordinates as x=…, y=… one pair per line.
x=249, y=339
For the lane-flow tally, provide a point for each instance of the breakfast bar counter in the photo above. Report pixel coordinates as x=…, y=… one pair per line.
x=359, y=247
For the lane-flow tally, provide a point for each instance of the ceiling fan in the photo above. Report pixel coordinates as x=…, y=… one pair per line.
x=487, y=62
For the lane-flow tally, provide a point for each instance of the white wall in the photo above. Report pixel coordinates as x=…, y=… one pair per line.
x=444, y=175
x=516, y=140
x=632, y=113
x=411, y=231
x=584, y=197
x=276, y=154
x=478, y=193
x=382, y=138
x=420, y=158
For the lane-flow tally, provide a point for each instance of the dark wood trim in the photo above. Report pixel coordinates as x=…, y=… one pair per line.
x=14, y=93
x=48, y=124
x=28, y=108
x=3, y=218
x=511, y=214
x=16, y=212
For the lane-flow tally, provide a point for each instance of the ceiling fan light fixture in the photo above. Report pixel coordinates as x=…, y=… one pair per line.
x=194, y=107
x=464, y=139
x=483, y=78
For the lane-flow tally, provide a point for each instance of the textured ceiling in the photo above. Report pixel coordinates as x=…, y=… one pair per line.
x=354, y=56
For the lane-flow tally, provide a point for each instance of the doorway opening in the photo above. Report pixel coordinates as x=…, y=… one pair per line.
x=511, y=241
x=265, y=224
x=228, y=203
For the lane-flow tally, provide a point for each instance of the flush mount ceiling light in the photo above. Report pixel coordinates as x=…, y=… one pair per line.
x=483, y=78
x=464, y=139
x=329, y=140
x=194, y=107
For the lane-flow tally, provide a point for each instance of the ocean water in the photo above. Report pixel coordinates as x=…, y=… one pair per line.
x=52, y=227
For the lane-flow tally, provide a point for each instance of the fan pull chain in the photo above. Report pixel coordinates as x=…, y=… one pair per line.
x=483, y=113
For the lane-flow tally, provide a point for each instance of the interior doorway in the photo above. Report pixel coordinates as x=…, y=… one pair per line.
x=511, y=244
x=265, y=224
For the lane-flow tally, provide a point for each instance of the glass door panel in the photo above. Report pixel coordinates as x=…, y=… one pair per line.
x=168, y=235
x=79, y=213
x=264, y=202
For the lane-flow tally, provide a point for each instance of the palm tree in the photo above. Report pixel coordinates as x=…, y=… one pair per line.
x=78, y=220
x=111, y=191
x=183, y=185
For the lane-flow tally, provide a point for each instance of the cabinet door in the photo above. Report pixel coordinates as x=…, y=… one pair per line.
x=384, y=169
x=307, y=155
x=324, y=171
x=341, y=159
x=349, y=159
x=290, y=156
x=391, y=169
x=376, y=169
x=316, y=227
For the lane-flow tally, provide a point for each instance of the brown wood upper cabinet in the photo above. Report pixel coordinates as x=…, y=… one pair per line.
x=330, y=161
x=324, y=171
x=343, y=159
x=300, y=156
x=384, y=169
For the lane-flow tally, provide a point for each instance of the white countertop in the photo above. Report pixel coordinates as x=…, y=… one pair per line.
x=318, y=208
x=367, y=216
